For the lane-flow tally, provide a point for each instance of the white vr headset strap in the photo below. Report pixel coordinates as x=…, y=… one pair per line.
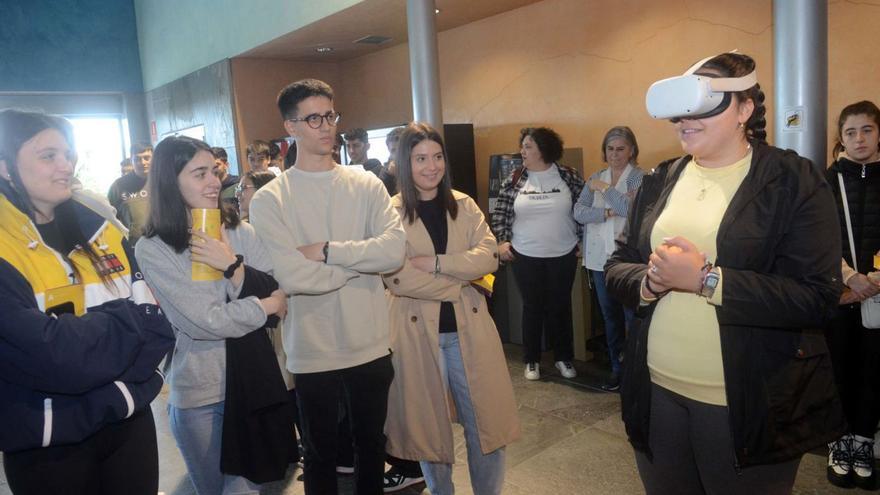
x=697, y=65
x=728, y=84
x=725, y=84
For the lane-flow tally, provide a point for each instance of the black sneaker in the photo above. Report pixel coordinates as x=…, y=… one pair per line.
x=396, y=480
x=840, y=463
x=863, y=462
x=613, y=383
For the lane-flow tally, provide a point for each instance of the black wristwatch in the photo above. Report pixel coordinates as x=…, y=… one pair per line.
x=239, y=259
x=326, y=251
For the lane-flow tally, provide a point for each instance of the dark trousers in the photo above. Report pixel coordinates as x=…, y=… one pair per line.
x=545, y=285
x=855, y=357
x=295, y=413
x=364, y=389
x=411, y=469
x=120, y=458
x=345, y=451
x=693, y=453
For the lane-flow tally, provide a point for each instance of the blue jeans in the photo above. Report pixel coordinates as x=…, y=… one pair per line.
x=198, y=433
x=615, y=317
x=487, y=471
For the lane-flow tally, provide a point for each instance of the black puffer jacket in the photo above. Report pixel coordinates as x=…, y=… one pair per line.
x=779, y=251
x=862, y=184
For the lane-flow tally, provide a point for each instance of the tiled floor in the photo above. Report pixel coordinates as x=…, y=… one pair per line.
x=573, y=443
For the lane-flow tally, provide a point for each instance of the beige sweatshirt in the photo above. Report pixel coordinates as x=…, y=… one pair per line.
x=337, y=315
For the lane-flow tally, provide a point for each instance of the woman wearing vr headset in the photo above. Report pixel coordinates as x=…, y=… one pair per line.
x=856, y=349
x=731, y=256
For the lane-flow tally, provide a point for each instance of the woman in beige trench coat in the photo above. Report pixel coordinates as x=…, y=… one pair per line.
x=448, y=361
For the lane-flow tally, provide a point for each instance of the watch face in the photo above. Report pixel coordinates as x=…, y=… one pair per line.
x=712, y=281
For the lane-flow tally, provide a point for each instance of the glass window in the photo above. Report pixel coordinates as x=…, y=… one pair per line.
x=378, y=150
x=100, y=149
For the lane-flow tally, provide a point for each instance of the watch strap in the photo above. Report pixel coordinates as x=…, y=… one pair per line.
x=710, y=283
x=230, y=271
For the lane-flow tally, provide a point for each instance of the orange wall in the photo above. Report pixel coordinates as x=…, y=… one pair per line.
x=581, y=66
x=256, y=83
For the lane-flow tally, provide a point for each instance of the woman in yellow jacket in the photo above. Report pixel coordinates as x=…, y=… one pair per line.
x=80, y=334
x=448, y=360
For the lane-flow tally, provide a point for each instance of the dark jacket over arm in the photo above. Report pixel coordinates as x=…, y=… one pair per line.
x=258, y=439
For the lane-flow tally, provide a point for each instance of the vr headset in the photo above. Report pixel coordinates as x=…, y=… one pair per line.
x=693, y=96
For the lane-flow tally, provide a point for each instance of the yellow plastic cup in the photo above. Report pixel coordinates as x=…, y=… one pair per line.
x=206, y=220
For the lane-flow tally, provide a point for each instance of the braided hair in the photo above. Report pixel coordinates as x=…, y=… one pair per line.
x=738, y=65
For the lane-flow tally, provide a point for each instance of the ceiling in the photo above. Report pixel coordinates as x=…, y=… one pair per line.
x=368, y=18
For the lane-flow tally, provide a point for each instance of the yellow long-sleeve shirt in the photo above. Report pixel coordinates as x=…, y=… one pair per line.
x=684, y=343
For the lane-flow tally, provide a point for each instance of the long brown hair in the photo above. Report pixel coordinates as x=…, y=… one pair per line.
x=412, y=135
x=168, y=211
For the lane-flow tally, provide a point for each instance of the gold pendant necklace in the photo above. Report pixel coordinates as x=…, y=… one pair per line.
x=702, y=195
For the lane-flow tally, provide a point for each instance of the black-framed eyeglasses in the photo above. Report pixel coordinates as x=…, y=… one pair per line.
x=239, y=189
x=314, y=120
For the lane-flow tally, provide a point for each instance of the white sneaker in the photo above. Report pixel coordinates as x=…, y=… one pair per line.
x=533, y=371
x=840, y=465
x=566, y=369
x=863, y=462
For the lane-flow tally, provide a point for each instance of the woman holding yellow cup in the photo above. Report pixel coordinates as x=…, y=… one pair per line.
x=212, y=282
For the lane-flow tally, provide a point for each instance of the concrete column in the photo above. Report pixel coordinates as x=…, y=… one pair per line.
x=800, y=59
x=423, y=62
x=135, y=110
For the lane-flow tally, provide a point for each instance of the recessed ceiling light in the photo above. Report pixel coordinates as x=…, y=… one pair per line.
x=436, y=11
x=324, y=49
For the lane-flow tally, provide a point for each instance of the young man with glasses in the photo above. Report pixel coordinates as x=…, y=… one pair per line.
x=331, y=231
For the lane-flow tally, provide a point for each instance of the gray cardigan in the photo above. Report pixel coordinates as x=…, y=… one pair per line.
x=201, y=316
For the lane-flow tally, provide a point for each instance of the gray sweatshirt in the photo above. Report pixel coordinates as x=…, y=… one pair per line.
x=201, y=316
x=337, y=311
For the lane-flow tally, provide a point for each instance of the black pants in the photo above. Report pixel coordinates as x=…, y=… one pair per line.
x=345, y=451
x=410, y=469
x=364, y=389
x=545, y=285
x=295, y=412
x=855, y=356
x=693, y=453
x=120, y=458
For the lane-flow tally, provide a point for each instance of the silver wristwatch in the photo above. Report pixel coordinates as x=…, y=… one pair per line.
x=710, y=283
